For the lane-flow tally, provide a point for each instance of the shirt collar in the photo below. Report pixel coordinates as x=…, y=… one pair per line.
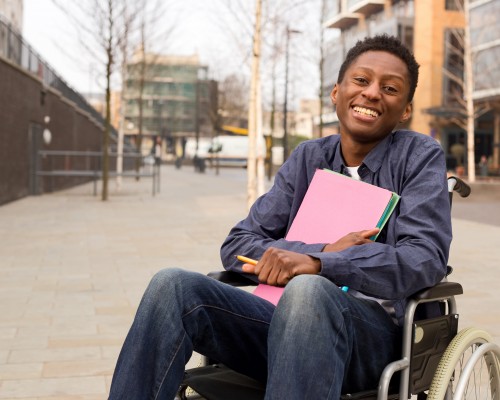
x=372, y=161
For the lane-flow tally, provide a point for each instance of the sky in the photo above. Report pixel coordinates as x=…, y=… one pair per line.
x=45, y=29
x=48, y=30
x=203, y=27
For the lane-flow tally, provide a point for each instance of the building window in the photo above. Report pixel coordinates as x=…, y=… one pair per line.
x=454, y=5
x=405, y=34
x=403, y=9
x=454, y=67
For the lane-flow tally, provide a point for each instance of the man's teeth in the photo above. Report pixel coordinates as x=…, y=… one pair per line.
x=366, y=111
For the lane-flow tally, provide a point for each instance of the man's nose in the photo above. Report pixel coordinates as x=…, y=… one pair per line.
x=372, y=91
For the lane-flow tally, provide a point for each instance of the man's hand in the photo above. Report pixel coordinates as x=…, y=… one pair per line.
x=352, y=239
x=277, y=266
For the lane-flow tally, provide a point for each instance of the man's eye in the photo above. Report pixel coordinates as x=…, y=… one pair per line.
x=390, y=89
x=361, y=80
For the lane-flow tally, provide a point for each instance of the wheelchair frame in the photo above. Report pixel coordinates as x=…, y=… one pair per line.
x=431, y=348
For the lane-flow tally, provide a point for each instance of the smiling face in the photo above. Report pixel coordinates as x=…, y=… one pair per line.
x=372, y=99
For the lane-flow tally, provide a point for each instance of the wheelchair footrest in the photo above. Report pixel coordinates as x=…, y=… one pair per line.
x=366, y=395
x=221, y=383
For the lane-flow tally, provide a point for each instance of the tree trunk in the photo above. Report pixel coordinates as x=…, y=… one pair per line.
x=107, y=128
x=469, y=87
x=252, y=112
x=321, y=67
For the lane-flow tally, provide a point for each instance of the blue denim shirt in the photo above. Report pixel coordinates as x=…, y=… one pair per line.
x=411, y=252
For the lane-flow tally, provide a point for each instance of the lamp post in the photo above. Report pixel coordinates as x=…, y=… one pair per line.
x=285, y=103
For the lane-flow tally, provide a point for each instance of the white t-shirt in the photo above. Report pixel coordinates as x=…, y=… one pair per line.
x=353, y=171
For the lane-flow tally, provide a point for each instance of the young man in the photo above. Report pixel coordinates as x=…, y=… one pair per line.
x=319, y=341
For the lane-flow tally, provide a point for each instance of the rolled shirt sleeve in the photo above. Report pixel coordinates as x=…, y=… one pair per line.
x=413, y=252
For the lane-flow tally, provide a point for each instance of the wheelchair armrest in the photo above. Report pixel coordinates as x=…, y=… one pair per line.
x=232, y=278
x=442, y=290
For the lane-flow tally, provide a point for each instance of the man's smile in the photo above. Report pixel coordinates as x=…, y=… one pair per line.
x=368, y=112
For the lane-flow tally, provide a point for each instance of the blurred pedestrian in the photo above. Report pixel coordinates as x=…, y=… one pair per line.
x=458, y=151
x=157, y=151
x=483, y=166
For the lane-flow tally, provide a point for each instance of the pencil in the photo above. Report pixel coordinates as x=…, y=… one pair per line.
x=247, y=260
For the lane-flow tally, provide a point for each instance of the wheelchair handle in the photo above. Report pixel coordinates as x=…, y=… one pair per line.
x=458, y=185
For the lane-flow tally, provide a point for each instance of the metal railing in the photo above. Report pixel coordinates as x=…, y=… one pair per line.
x=88, y=164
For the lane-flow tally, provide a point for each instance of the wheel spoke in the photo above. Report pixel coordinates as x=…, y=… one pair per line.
x=469, y=368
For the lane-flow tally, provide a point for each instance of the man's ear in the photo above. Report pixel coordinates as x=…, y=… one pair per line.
x=407, y=113
x=333, y=94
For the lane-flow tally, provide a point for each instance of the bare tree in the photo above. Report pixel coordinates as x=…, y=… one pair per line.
x=147, y=52
x=102, y=40
x=232, y=104
x=115, y=27
x=274, y=56
x=124, y=49
x=276, y=16
x=321, y=65
x=253, y=114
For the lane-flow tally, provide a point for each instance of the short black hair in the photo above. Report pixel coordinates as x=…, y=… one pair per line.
x=389, y=44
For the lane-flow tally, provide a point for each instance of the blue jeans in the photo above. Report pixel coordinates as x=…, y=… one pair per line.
x=317, y=342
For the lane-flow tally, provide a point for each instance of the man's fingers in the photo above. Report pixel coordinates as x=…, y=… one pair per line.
x=369, y=232
x=248, y=268
x=272, y=278
x=283, y=278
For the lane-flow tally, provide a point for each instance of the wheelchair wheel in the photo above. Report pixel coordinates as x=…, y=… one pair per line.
x=469, y=369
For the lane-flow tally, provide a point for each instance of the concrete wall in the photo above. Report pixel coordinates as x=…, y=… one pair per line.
x=24, y=103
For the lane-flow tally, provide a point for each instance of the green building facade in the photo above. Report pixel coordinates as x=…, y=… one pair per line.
x=177, y=99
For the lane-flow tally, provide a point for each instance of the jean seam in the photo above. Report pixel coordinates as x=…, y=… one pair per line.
x=170, y=365
x=226, y=311
x=342, y=328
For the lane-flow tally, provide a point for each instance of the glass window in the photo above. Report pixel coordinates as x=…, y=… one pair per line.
x=405, y=34
x=404, y=9
x=454, y=67
x=487, y=69
x=484, y=23
x=454, y=5
x=379, y=23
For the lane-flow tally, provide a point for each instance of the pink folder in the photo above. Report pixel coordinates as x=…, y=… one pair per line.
x=268, y=292
x=334, y=206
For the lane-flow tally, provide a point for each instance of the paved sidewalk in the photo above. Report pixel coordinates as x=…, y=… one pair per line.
x=72, y=270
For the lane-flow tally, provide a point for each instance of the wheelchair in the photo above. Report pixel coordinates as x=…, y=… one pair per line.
x=437, y=362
